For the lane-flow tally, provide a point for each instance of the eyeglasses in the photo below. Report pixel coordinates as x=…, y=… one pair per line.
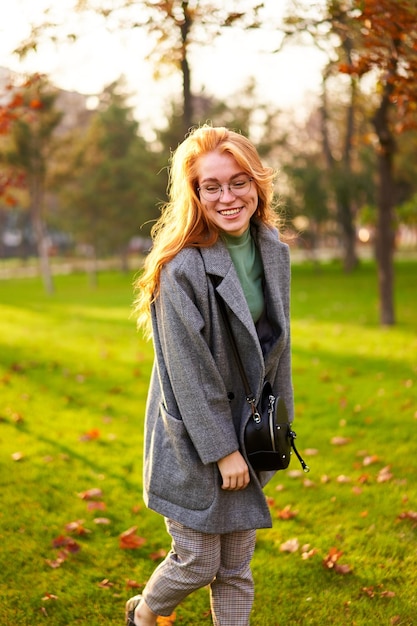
x=212, y=191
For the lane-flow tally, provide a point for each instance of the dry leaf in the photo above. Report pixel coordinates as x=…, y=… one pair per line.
x=132, y=584
x=18, y=456
x=94, y=433
x=129, y=540
x=159, y=554
x=101, y=520
x=384, y=475
x=90, y=494
x=77, y=527
x=96, y=506
x=370, y=460
x=166, y=621
x=340, y=441
x=343, y=479
x=291, y=545
x=331, y=562
x=287, y=513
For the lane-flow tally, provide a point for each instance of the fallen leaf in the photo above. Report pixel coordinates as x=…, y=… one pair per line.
x=18, y=456
x=331, y=562
x=408, y=515
x=132, y=584
x=55, y=563
x=105, y=583
x=311, y=452
x=342, y=569
x=384, y=475
x=159, y=554
x=287, y=513
x=343, y=479
x=291, y=545
x=340, y=441
x=50, y=596
x=96, y=506
x=94, y=433
x=101, y=520
x=63, y=541
x=90, y=494
x=370, y=460
x=307, y=553
x=77, y=527
x=166, y=621
x=129, y=540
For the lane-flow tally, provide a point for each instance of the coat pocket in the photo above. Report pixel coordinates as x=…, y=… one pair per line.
x=174, y=471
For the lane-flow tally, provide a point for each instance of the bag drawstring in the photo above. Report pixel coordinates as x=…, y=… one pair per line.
x=304, y=465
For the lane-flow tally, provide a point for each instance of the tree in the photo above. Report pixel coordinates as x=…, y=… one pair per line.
x=330, y=29
x=387, y=47
x=30, y=119
x=114, y=185
x=174, y=27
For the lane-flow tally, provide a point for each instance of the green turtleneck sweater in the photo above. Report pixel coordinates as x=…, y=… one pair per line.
x=248, y=265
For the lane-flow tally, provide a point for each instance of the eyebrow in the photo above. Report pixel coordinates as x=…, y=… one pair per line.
x=216, y=180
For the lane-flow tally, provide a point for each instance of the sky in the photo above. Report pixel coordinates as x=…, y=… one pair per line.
x=286, y=79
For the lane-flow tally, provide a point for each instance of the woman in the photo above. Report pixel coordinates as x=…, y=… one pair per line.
x=217, y=233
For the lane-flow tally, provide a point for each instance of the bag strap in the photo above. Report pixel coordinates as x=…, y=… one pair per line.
x=249, y=395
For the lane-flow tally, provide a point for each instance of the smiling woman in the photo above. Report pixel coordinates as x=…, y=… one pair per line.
x=215, y=241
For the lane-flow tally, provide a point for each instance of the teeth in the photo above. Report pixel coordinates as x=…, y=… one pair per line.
x=229, y=212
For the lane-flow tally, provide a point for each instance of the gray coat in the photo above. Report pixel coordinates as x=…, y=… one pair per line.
x=196, y=410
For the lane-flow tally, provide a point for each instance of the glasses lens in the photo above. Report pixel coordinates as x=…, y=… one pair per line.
x=213, y=191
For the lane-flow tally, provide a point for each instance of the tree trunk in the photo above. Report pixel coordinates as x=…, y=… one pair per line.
x=342, y=180
x=385, y=233
x=36, y=194
x=186, y=73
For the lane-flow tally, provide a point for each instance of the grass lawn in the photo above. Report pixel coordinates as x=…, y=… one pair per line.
x=73, y=384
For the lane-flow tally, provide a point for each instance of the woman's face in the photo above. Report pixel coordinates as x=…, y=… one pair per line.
x=230, y=212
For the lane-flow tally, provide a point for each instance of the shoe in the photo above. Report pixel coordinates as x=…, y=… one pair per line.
x=131, y=605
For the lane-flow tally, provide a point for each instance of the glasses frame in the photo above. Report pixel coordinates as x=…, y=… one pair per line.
x=217, y=196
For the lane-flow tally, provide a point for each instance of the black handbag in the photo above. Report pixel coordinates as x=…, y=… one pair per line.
x=268, y=438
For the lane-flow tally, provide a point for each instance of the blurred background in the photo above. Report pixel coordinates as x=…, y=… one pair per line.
x=94, y=96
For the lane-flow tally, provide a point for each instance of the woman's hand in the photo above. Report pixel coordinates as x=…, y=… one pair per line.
x=234, y=471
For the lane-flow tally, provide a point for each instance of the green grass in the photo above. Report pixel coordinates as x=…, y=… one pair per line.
x=73, y=383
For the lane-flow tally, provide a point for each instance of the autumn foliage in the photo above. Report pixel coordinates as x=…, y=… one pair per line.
x=21, y=105
x=387, y=44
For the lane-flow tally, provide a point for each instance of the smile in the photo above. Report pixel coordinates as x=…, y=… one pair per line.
x=227, y=212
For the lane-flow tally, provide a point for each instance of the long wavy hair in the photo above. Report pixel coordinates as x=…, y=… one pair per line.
x=184, y=222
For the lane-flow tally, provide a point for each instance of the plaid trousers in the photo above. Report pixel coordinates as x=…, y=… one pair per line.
x=198, y=559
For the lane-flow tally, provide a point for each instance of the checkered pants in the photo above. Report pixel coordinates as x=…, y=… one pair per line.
x=198, y=559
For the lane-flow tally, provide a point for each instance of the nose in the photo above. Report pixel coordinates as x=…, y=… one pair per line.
x=225, y=194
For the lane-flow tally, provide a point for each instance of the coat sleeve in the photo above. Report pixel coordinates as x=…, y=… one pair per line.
x=187, y=368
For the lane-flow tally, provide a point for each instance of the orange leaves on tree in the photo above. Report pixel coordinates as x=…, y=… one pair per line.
x=129, y=540
x=331, y=562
